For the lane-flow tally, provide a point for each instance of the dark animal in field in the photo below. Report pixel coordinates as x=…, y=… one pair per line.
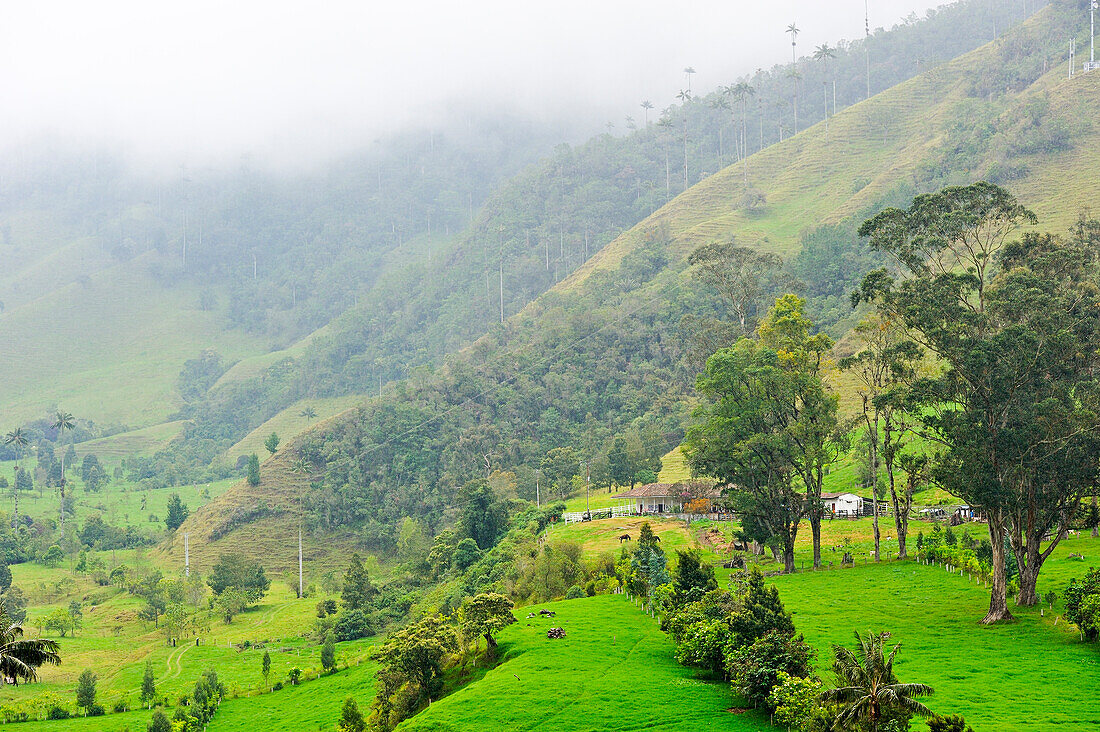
x=547, y=613
x=657, y=539
x=555, y=633
x=624, y=537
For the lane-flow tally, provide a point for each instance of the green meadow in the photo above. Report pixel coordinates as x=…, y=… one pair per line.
x=614, y=670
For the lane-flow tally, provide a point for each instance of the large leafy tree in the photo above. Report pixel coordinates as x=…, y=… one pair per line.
x=357, y=586
x=868, y=692
x=770, y=423
x=1017, y=328
x=234, y=571
x=486, y=614
x=885, y=367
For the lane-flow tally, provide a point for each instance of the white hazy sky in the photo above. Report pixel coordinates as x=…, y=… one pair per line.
x=203, y=81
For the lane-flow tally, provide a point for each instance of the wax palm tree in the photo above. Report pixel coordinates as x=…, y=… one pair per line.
x=63, y=422
x=869, y=694
x=21, y=658
x=793, y=30
x=742, y=91
x=18, y=441
x=685, y=96
x=309, y=413
x=823, y=53
x=647, y=105
x=688, y=72
x=796, y=79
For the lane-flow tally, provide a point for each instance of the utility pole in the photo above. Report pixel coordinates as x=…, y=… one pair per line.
x=186, y=555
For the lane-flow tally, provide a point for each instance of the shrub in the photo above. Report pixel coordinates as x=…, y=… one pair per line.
x=352, y=625
x=756, y=668
x=590, y=588
x=96, y=710
x=58, y=712
x=797, y=704
x=1083, y=604
x=950, y=723
x=575, y=593
x=122, y=705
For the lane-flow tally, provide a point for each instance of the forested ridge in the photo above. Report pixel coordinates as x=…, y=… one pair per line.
x=608, y=354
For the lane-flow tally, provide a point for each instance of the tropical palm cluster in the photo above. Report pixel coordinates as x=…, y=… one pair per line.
x=869, y=695
x=20, y=658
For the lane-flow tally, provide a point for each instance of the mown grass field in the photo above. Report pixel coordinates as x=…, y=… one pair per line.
x=613, y=671
x=1030, y=674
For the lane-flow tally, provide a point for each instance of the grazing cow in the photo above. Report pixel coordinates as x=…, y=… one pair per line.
x=624, y=537
x=657, y=539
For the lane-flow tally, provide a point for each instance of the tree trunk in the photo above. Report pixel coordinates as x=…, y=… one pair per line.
x=1095, y=527
x=815, y=530
x=998, y=594
x=788, y=557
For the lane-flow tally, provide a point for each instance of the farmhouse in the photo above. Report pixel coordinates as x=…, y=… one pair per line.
x=671, y=497
x=843, y=504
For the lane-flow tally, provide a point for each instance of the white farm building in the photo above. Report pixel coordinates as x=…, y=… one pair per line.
x=843, y=504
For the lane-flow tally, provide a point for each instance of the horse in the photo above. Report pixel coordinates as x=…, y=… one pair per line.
x=624, y=537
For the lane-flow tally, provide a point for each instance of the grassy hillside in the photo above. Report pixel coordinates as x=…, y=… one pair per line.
x=289, y=423
x=107, y=349
x=627, y=681
x=230, y=523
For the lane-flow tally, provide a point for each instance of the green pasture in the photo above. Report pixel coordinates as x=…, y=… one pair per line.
x=1031, y=674
x=115, y=643
x=614, y=670
x=119, y=503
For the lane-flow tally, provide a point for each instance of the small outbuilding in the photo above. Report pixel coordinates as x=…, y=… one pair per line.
x=843, y=504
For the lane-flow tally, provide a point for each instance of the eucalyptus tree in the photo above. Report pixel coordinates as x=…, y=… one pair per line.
x=769, y=422
x=1016, y=408
x=63, y=422
x=18, y=440
x=885, y=367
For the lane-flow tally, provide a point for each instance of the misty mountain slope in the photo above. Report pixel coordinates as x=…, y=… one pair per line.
x=107, y=348
x=314, y=239
x=556, y=214
x=604, y=351
x=243, y=262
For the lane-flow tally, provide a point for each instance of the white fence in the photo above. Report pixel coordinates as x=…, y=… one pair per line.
x=573, y=517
